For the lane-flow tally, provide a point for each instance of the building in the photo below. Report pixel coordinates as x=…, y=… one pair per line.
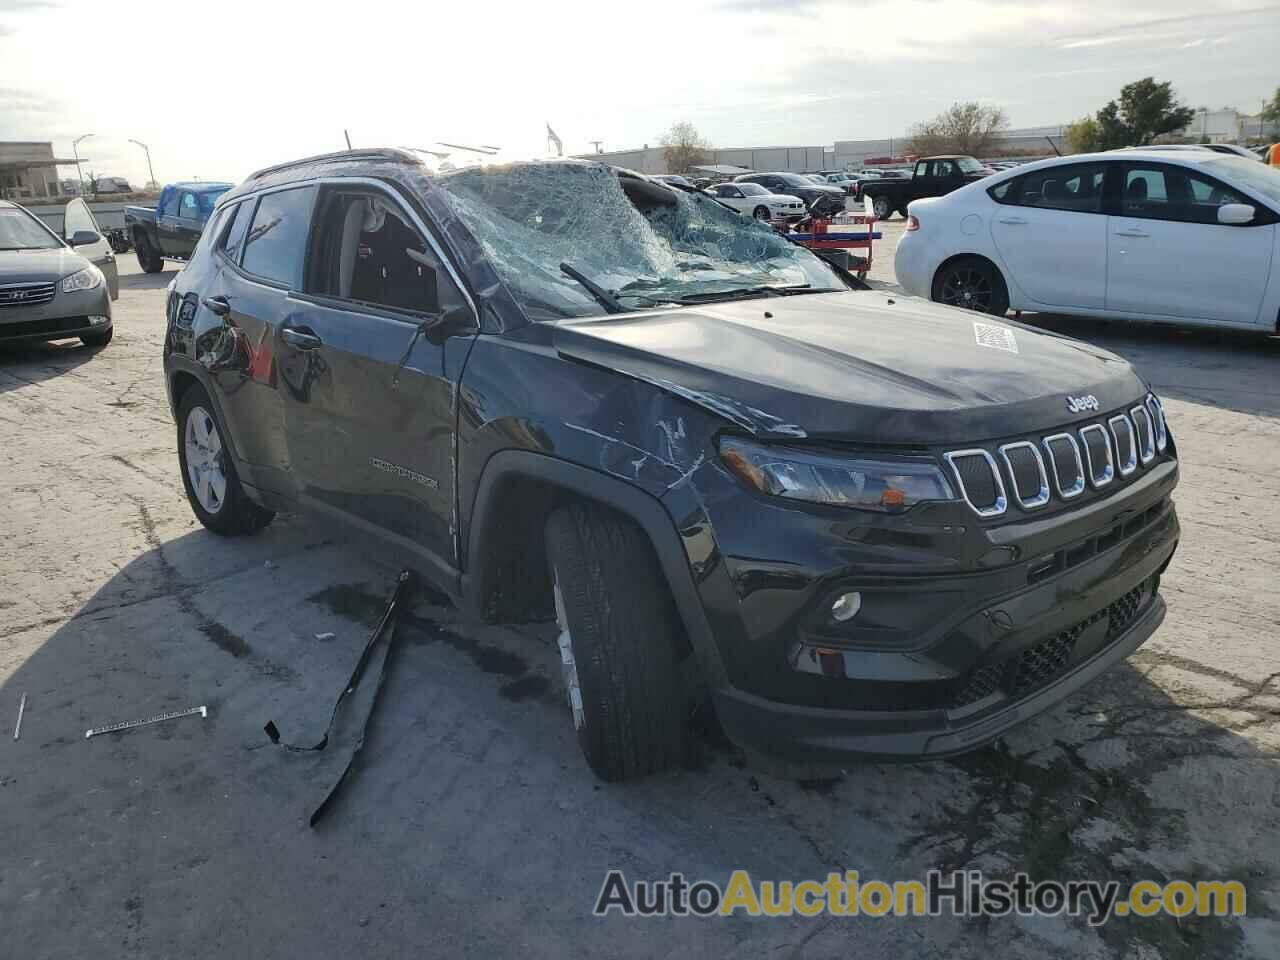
x=799, y=159
x=29, y=170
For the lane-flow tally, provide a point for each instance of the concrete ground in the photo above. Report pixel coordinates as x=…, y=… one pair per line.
x=472, y=826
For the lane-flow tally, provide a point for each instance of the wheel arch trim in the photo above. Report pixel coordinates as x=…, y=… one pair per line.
x=646, y=511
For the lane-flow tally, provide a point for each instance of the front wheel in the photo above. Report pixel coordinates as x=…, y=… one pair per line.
x=972, y=283
x=622, y=646
x=761, y=213
x=208, y=472
x=882, y=207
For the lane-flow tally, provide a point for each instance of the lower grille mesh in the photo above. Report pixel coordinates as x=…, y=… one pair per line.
x=1022, y=674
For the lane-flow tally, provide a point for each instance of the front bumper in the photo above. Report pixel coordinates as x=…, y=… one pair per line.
x=66, y=315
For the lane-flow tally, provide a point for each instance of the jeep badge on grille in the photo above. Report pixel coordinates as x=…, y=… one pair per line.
x=1080, y=404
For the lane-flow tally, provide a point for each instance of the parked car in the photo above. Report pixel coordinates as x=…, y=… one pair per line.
x=48, y=290
x=1186, y=237
x=932, y=177
x=171, y=229
x=722, y=466
x=821, y=200
x=676, y=180
x=756, y=201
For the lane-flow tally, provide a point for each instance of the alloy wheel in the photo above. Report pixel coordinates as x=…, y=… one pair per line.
x=205, y=467
x=968, y=288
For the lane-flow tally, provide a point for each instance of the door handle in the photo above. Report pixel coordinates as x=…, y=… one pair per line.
x=218, y=306
x=301, y=337
x=1132, y=233
x=1013, y=221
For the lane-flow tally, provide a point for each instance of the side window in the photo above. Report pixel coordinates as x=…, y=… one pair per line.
x=1076, y=188
x=943, y=168
x=733, y=192
x=77, y=217
x=366, y=249
x=1174, y=193
x=1000, y=192
x=189, y=207
x=237, y=219
x=276, y=244
x=922, y=168
x=169, y=208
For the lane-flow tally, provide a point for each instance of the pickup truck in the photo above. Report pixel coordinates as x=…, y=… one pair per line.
x=171, y=229
x=932, y=177
x=861, y=524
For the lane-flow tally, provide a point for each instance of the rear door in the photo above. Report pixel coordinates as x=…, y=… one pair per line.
x=369, y=409
x=167, y=221
x=1050, y=227
x=77, y=217
x=260, y=249
x=1168, y=255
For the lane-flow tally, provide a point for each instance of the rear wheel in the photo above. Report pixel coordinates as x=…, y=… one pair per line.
x=621, y=643
x=208, y=472
x=148, y=256
x=972, y=283
x=882, y=207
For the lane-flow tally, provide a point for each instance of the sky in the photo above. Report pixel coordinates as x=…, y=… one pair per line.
x=219, y=89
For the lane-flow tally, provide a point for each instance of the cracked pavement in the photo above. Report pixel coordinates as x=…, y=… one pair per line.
x=472, y=826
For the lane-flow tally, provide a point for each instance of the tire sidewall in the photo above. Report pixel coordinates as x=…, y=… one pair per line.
x=999, y=291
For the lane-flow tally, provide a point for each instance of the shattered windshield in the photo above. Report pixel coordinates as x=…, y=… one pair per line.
x=637, y=243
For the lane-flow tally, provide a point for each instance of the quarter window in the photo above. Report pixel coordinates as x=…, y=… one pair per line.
x=1173, y=193
x=170, y=207
x=237, y=219
x=277, y=239
x=365, y=249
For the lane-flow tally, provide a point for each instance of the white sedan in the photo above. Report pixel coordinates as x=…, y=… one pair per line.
x=754, y=200
x=1185, y=237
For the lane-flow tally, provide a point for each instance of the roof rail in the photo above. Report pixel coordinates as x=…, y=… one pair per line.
x=375, y=153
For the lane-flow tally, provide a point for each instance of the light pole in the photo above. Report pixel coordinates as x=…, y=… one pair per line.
x=147, y=150
x=76, y=153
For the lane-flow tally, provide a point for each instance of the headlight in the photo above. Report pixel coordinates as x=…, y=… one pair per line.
x=885, y=484
x=86, y=279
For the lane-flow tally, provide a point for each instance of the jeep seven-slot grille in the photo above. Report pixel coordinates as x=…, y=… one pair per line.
x=1035, y=470
x=1022, y=674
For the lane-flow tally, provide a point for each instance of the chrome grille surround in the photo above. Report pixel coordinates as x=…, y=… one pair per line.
x=1157, y=417
x=26, y=294
x=1095, y=480
x=1002, y=502
x=1042, y=496
x=1076, y=488
x=1147, y=450
x=1126, y=446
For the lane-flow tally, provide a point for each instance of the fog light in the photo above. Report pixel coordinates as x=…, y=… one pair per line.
x=846, y=606
x=97, y=321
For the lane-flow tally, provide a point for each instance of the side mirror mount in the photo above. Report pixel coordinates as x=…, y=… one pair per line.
x=83, y=238
x=1236, y=214
x=454, y=322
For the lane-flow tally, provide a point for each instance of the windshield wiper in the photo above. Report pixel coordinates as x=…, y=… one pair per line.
x=744, y=293
x=599, y=293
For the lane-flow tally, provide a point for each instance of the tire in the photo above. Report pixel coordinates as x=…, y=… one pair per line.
x=233, y=513
x=97, y=339
x=882, y=207
x=149, y=258
x=902, y=212
x=761, y=213
x=621, y=641
x=971, y=283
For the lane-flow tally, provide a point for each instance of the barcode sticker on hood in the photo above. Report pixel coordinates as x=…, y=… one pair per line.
x=994, y=336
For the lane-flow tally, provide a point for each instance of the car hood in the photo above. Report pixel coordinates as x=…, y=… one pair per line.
x=863, y=366
x=39, y=266
x=782, y=198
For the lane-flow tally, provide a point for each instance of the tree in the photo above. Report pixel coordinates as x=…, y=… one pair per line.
x=1271, y=110
x=1146, y=110
x=962, y=128
x=1082, y=136
x=683, y=147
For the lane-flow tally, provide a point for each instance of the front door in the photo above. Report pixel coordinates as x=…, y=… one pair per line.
x=78, y=218
x=167, y=221
x=1050, y=227
x=369, y=410
x=1168, y=256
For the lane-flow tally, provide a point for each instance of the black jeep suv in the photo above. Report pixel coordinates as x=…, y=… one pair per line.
x=861, y=523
